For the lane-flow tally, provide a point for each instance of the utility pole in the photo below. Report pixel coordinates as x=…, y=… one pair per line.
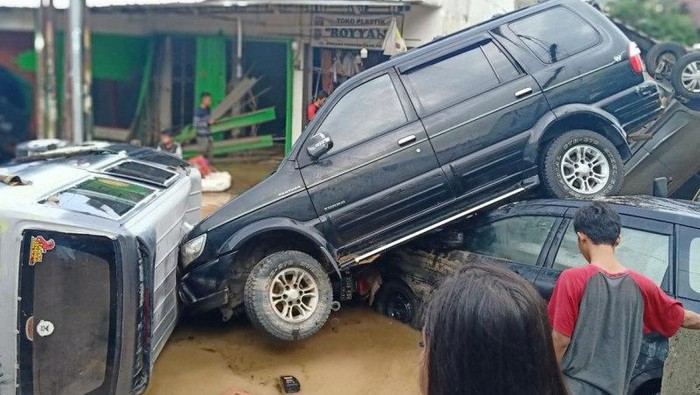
x=45, y=88
x=87, y=79
x=40, y=83
x=73, y=115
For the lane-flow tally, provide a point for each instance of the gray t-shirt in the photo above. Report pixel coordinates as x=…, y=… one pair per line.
x=607, y=337
x=606, y=316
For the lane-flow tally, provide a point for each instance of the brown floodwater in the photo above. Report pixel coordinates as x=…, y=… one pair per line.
x=357, y=352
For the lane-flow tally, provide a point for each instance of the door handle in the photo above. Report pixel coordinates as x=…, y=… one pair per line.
x=523, y=92
x=407, y=140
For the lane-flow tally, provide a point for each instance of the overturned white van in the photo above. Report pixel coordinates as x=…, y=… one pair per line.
x=88, y=267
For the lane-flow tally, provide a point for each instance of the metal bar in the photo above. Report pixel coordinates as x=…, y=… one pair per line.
x=289, y=108
x=88, y=121
x=437, y=225
x=40, y=84
x=51, y=105
x=75, y=27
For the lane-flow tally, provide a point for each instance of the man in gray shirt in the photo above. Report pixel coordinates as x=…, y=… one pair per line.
x=599, y=312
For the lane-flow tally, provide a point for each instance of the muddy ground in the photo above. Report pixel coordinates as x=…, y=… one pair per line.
x=357, y=352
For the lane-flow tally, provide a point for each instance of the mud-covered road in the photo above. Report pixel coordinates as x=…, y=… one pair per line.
x=357, y=352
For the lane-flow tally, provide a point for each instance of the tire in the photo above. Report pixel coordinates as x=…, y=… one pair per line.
x=267, y=303
x=397, y=301
x=560, y=166
x=686, y=76
x=662, y=57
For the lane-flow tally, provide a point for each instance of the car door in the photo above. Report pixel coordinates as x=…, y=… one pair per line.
x=477, y=107
x=645, y=248
x=381, y=176
x=571, y=59
x=516, y=242
x=688, y=267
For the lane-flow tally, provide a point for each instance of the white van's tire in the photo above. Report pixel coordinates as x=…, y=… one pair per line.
x=288, y=295
x=581, y=164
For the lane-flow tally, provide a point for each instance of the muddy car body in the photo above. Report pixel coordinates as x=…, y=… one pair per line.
x=419, y=141
x=89, y=245
x=660, y=239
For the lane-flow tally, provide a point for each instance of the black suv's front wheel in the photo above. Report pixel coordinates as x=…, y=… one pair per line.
x=288, y=295
x=581, y=164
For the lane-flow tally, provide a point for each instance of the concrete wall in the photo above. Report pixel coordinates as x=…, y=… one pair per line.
x=442, y=17
x=682, y=368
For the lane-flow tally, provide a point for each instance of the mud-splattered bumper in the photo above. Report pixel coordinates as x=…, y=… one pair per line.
x=205, y=287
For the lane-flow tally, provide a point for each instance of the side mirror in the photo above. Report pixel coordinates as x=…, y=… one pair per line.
x=660, y=187
x=320, y=144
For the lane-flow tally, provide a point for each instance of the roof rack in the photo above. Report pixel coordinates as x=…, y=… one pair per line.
x=66, y=153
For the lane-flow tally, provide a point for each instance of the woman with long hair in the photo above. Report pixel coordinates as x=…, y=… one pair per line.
x=487, y=332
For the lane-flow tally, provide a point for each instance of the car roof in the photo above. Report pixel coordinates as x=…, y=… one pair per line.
x=46, y=173
x=461, y=35
x=41, y=176
x=682, y=212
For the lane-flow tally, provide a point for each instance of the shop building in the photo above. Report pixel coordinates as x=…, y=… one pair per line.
x=151, y=62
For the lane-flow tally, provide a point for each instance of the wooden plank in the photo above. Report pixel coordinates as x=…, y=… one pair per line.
x=233, y=97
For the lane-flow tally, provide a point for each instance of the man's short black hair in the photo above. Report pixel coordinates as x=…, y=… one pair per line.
x=204, y=94
x=599, y=221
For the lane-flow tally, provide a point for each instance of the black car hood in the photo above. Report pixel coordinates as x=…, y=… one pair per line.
x=283, y=183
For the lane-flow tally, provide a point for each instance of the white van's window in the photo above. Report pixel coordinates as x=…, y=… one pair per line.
x=366, y=111
x=555, y=34
x=103, y=197
x=450, y=80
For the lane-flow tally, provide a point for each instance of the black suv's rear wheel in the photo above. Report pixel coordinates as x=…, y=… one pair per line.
x=581, y=164
x=288, y=295
x=686, y=76
x=396, y=300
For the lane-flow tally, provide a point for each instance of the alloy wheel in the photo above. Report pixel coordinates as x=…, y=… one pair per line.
x=585, y=169
x=690, y=77
x=294, y=295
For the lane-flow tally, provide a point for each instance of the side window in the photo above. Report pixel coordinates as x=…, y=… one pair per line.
x=364, y=112
x=518, y=239
x=642, y=251
x=450, y=80
x=555, y=34
x=504, y=68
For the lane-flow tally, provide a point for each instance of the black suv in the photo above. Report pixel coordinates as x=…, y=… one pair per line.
x=660, y=239
x=541, y=96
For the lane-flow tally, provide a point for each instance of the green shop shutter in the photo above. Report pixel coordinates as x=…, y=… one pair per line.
x=210, y=68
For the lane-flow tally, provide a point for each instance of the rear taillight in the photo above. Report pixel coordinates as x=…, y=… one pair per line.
x=635, y=56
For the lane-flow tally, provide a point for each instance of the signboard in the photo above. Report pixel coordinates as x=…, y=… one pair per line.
x=350, y=31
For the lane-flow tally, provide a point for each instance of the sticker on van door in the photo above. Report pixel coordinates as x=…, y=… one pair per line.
x=38, y=247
